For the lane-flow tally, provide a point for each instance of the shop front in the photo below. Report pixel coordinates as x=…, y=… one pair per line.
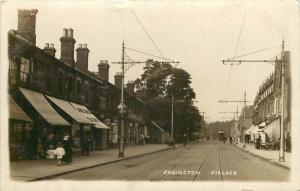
x=48, y=128
x=19, y=126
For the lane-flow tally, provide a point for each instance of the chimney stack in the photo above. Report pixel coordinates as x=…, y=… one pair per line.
x=49, y=49
x=82, y=57
x=27, y=23
x=118, y=80
x=103, y=70
x=67, y=47
x=130, y=88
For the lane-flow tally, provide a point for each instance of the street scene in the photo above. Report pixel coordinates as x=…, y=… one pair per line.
x=139, y=94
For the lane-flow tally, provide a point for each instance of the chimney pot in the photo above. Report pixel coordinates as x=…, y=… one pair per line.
x=70, y=33
x=80, y=45
x=65, y=32
x=51, y=45
x=84, y=45
x=46, y=45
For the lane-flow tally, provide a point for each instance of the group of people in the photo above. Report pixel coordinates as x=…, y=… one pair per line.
x=62, y=152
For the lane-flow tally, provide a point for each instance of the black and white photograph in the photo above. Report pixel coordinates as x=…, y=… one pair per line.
x=150, y=95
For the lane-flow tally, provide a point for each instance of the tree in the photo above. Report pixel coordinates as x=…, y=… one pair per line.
x=155, y=88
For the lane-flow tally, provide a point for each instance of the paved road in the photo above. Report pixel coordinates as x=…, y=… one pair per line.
x=197, y=162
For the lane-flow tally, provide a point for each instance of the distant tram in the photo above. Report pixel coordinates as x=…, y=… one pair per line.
x=221, y=135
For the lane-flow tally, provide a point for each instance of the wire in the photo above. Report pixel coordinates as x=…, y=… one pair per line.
x=236, y=47
x=241, y=29
x=149, y=54
x=254, y=52
x=144, y=29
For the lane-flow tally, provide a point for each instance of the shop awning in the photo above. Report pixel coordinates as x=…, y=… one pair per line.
x=250, y=129
x=273, y=129
x=91, y=117
x=70, y=110
x=157, y=126
x=16, y=113
x=263, y=124
x=43, y=107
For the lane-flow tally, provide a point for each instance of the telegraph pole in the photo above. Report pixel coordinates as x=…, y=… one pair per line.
x=281, y=150
x=172, y=120
x=282, y=61
x=244, y=116
x=121, y=106
x=244, y=121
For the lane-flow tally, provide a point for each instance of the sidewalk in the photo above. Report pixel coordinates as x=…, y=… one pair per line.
x=29, y=170
x=270, y=155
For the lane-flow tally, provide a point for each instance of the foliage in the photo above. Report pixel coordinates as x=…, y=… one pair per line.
x=156, y=86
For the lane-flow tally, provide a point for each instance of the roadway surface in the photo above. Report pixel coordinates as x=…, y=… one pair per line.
x=195, y=162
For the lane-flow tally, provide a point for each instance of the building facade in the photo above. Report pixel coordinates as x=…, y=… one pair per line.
x=267, y=103
x=59, y=95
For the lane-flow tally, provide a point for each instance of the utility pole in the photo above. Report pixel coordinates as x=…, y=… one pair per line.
x=244, y=116
x=235, y=119
x=244, y=121
x=281, y=150
x=172, y=120
x=121, y=106
x=203, y=113
x=282, y=61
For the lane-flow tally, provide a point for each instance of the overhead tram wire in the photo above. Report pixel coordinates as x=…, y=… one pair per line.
x=144, y=29
x=236, y=47
x=141, y=52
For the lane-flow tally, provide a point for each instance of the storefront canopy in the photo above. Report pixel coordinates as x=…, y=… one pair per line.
x=70, y=110
x=16, y=113
x=43, y=107
x=84, y=111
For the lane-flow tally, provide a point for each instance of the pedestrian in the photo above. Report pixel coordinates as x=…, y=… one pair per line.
x=224, y=140
x=184, y=140
x=59, y=152
x=40, y=149
x=142, y=139
x=230, y=139
x=67, y=143
x=51, y=153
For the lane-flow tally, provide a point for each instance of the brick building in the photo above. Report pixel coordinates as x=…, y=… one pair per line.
x=61, y=96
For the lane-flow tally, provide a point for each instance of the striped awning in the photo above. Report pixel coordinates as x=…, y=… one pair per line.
x=43, y=107
x=16, y=113
x=84, y=111
x=69, y=109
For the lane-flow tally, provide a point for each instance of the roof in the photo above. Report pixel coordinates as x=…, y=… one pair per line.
x=15, y=112
x=43, y=107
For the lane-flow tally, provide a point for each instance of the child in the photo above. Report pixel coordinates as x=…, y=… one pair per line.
x=59, y=152
x=51, y=153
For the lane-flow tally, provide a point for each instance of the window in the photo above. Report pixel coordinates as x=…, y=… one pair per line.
x=12, y=72
x=102, y=104
x=60, y=83
x=49, y=78
x=78, y=85
x=24, y=69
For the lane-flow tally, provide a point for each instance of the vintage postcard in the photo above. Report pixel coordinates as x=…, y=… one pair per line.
x=148, y=95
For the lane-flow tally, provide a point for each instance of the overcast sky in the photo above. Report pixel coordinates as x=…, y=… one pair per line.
x=199, y=34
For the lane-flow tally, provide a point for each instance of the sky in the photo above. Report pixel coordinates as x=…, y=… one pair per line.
x=198, y=34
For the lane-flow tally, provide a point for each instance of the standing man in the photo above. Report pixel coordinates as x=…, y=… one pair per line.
x=184, y=140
